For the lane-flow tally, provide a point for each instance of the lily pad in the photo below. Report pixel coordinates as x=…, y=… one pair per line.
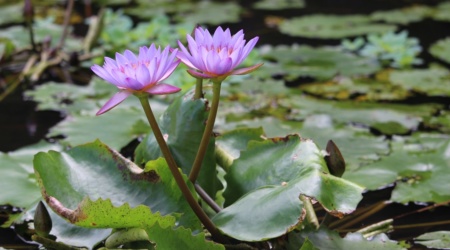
x=402, y=16
x=208, y=12
x=387, y=118
x=79, y=129
x=10, y=13
x=272, y=174
x=17, y=175
x=440, y=122
x=441, y=49
x=326, y=239
x=432, y=82
x=419, y=174
x=279, y=4
x=180, y=238
x=442, y=12
x=438, y=240
x=332, y=26
x=321, y=63
x=70, y=180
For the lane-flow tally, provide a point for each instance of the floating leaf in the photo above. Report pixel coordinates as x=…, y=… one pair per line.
x=386, y=118
x=179, y=238
x=362, y=89
x=79, y=129
x=264, y=183
x=441, y=49
x=420, y=175
x=432, y=82
x=326, y=239
x=435, y=240
x=332, y=26
x=11, y=13
x=402, y=16
x=439, y=122
x=321, y=63
x=93, y=171
x=17, y=175
x=442, y=12
x=279, y=4
x=183, y=124
x=208, y=12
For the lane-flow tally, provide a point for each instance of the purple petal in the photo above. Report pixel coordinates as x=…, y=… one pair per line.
x=134, y=84
x=169, y=70
x=102, y=73
x=197, y=74
x=130, y=56
x=224, y=66
x=114, y=101
x=121, y=60
x=184, y=56
x=247, y=70
x=163, y=89
x=142, y=75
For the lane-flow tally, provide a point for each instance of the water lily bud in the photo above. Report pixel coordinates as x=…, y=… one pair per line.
x=28, y=11
x=334, y=160
x=42, y=221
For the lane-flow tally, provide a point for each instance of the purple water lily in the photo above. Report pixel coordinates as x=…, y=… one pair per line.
x=138, y=74
x=218, y=55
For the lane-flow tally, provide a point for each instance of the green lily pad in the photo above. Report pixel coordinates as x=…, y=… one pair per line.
x=432, y=82
x=332, y=26
x=361, y=89
x=437, y=240
x=208, y=12
x=94, y=171
x=387, y=118
x=264, y=183
x=10, y=13
x=402, y=16
x=17, y=175
x=419, y=172
x=180, y=238
x=183, y=122
x=230, y=144
x=326, y=239
x=321, y=63
x=441, y=49
x=279, y=4
x=442, y=12
x=440, y=122
x=357, y=145
x=79, y=129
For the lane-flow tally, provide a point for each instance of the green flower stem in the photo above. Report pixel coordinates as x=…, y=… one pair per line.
x=198, y=89
x=311, y=216
x=143, y=98
x=207, y=133
x=211, y=203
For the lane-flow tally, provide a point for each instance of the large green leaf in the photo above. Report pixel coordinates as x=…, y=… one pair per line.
x=432, y=82
x=264, y=183
x=179, y=238
x=325, y=239
x=386, y=118
x=419, y=170
x=321, y=63
x=441, y=49
x=332, y=26
x=442, y=12
x=279, y=4
x=17, y=175
x=183, y=124
x=435, y=240
x=117, y=128
x=95, y=171
x=208, y=12
x=402, y=16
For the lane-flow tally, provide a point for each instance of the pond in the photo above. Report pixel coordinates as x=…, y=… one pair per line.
x=371, y=76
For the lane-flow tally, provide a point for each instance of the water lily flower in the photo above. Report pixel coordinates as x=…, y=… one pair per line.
x=218, y=55
x=138, y=74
